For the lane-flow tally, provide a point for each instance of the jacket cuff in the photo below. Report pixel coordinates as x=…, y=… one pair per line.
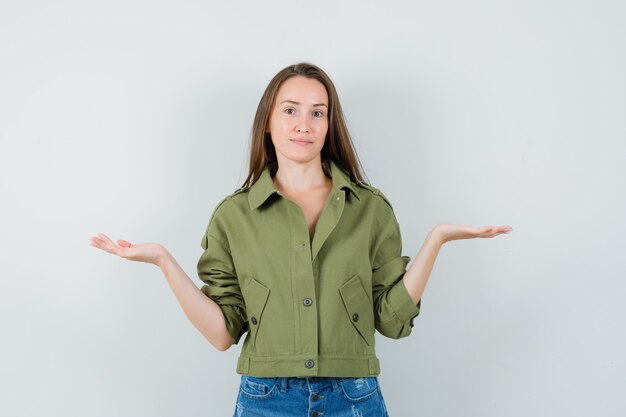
x=402, y=304
x=234, y=318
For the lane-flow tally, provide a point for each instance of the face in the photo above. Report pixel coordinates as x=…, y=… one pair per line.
x=299, y=119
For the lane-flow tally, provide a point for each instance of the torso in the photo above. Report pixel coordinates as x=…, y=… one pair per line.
x=312, y=203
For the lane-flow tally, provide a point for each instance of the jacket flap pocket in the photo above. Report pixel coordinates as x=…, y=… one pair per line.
x=358, y=308
x=256, y=296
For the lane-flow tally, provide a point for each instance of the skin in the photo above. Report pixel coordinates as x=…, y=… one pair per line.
x=301, y=112
x=300, y=178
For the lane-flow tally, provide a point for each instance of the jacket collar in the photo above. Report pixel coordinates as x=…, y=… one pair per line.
x=264, y=186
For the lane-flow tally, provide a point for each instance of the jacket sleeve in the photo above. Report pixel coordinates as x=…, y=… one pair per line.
x=394, y=310
x=216, y=269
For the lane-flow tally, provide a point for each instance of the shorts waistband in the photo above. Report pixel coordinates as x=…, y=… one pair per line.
x=310, y=383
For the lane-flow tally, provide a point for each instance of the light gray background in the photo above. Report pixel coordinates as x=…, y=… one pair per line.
x=133, y=118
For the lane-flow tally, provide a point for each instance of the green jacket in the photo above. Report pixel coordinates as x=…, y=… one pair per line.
x=310, y=308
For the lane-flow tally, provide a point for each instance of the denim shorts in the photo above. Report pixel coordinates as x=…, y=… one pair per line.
x=310, y=397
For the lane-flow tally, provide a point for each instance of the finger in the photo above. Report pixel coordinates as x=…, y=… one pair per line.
x=94, y=241
x=102, y=244
x=97, y=242
x=502, y=230
x=109, y=245
x=106, y=239
x=124, y=243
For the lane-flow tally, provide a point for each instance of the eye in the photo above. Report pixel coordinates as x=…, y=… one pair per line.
x=288, y=109
x=319, y=113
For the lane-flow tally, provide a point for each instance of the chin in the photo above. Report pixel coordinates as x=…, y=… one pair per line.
x=301, y=159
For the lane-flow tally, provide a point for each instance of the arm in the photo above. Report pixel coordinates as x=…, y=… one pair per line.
x=397, y=303
x=417, y=275
x=202, y=311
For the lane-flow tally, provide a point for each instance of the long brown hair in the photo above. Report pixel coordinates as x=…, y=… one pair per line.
x=338, y=144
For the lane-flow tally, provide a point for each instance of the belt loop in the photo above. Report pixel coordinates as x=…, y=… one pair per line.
x=336, y=383
x=284, y=386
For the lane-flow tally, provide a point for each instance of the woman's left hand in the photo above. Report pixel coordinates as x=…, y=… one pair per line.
x=448, y=232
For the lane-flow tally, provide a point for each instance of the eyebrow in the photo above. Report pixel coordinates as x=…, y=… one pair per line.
x=295, y=102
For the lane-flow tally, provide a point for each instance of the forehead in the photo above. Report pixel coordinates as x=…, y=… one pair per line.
x=303, y=90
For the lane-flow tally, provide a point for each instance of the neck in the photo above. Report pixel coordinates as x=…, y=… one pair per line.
x=297, y=177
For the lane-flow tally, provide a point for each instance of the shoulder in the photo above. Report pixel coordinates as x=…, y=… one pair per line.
x=224, y=213
x=384, y=221
x=374, y=193
x=229, y=203
x=236, y=197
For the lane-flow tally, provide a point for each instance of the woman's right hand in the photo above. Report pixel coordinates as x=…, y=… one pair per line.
x=152, y=253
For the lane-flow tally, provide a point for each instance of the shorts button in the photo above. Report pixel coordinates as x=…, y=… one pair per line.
x=253, y=320
x=309, y=363
x=307, y=302
x=355, y=317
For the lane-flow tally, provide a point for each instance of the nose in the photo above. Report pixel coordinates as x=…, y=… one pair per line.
x=303, y=124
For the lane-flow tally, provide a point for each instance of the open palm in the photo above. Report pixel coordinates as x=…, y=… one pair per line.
x=143, y=252
x=450, y=232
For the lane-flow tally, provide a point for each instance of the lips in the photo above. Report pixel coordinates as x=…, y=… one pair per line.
x=301, y=141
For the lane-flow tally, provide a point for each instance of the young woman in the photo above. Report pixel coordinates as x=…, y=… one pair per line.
x=306, y=259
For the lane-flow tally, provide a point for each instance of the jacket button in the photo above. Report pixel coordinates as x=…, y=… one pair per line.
x=315, y=413
x=355, y=317
x=307, y=302
x=253, y=320
x=315, y=397
x=309, y=363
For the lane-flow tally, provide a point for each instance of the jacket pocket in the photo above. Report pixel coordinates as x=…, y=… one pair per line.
x=256, y=298
x=359, y=308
